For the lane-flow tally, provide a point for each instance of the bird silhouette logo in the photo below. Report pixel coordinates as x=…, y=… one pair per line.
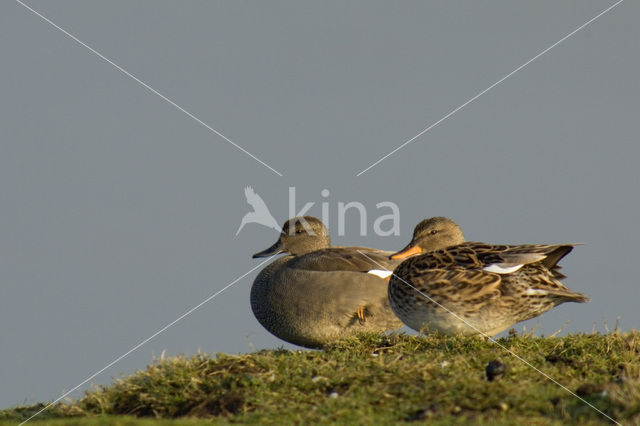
x=260, y=213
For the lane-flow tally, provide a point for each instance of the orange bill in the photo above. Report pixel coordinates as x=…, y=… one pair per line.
x=408, y=251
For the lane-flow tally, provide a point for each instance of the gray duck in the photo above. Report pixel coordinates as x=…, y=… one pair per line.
x=319, y=293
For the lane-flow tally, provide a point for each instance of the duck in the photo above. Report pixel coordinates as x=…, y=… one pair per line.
x=317, y=293
x=450, y=286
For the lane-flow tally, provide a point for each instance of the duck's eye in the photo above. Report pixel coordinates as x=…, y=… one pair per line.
x=299, y=231
x=433, y=232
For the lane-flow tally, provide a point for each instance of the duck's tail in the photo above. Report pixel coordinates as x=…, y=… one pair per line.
x=568, y=296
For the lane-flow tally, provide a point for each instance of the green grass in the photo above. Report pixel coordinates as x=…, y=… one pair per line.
x=382, y=379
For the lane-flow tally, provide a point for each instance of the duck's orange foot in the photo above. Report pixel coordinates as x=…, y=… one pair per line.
x=360, y=313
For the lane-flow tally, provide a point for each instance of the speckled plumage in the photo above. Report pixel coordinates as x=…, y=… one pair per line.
x=455, y=276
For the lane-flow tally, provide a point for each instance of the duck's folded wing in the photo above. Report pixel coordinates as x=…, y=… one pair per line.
x=500, y=259
x=547, y=255
x=357, y=259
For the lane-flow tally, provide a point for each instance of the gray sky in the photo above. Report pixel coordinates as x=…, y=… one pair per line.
x=118, y=212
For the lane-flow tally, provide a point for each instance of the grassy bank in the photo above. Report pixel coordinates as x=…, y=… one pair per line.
x=383, y=379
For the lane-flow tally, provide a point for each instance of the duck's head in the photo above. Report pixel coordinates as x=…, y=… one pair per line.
x=299, y=235
x=431, y=234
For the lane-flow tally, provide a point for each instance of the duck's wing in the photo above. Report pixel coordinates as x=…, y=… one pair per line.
x=355, y=259
x=509, y=258
x=547, y=254
x=499, y=259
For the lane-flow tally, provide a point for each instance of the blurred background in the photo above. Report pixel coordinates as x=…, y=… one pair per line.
x=118, y=212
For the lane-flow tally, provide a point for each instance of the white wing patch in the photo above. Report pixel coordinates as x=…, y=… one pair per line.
x=536, y=292
x=380, y=273
x=502, y=268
